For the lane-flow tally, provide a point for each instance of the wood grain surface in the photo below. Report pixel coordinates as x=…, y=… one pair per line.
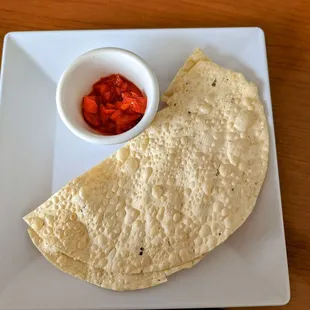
x=287, y=29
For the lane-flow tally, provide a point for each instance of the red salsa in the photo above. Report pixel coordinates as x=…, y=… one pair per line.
x=114, y=105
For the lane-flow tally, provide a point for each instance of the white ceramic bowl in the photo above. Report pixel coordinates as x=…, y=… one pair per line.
x=77, y=81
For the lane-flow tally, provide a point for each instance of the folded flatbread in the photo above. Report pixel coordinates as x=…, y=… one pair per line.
x=172, y=194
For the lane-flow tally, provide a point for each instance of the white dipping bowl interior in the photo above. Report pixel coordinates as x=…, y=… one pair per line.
x=77, y=81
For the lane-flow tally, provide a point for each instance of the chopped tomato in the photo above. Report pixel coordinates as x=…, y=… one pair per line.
x=109, y=111
x=111, y=128
x=92, y=119
x=118, y=105
x=132, y=87
x=103, y=116
x=104, y=119
x=126, y=94
x=114, y=105
x=90, y=104
x=125, y=105
x=118, y=91
x=124, y=87
x=118, y=80
x=110, y=106
x=116, y=114
x=137, y=105
x=135, y=95
x=99, y=100
x=107, y=96
x=140, y=105
x=104, y=110
x=124, y=119
x=101, y=88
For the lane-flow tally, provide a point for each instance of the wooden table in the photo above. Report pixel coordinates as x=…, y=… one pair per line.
x=287, y=28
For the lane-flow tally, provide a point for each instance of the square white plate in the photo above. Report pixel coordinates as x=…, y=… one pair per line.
x=38, y=155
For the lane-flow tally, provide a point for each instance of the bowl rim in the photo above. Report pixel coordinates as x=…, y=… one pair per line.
x=111, y=139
